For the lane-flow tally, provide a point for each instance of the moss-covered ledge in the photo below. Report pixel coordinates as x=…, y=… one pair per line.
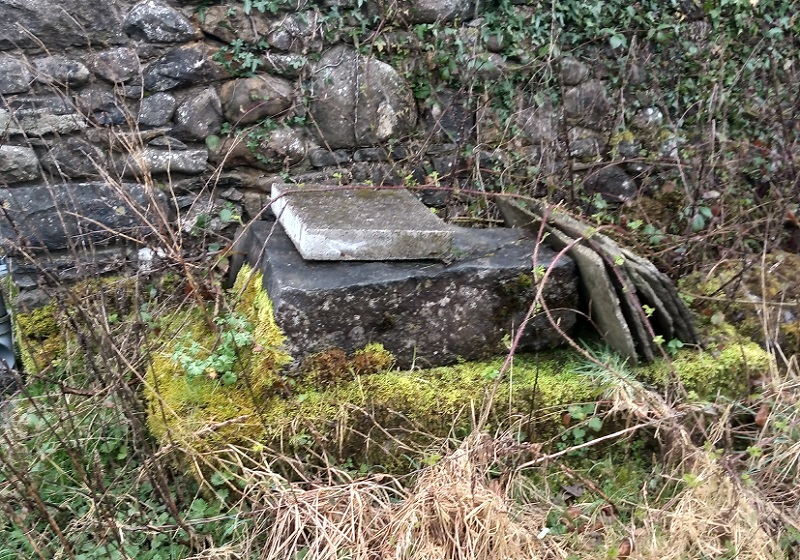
x=359, y=407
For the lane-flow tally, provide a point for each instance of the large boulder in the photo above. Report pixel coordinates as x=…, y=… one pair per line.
x=359, y=101
x=58, y=24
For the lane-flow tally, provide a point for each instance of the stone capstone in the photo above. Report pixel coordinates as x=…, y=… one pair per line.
x=426, y=313
x=157, y=22
x=586, y=103
x=57, y=217
x=183, y=66
x=249, y=100
x=116, y=65
x=38, y=116
x=15, y=76
x=359, y=101
x=60, y=70
x=157, y=109
x=74, y=158
x=200, y=115
x=18, y=164
x=58, y=24
x=342, y=224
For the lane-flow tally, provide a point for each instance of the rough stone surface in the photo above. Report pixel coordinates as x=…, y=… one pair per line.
x=358, y=101
x=612, y=183
x=587, y=102
x=74, y=158
x=157, y=22
x=116, y=65
x=60, y=70
x=38, y=116
x=55, y=217
x=57, y=24
x=421, y=11
x=183, y=66
x=450, y=117
x=15, y=77
x=200, y=115
x=538, y=125
x=327, y=158
x=18, y=164
x=572, y=72
x=229, y=22
x=249, y=100
x=280, y=149
x=157, y=109
x=425, y=313
x=102, y=106
x=361, y=224
x=154, y=160
x=297, y=33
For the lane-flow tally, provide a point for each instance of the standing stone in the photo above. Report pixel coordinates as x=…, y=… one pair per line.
x=587, y=102
x=157, y=109
x=183, y=66
x=60, y=70
x=18, y=164
x=42, y=216
x=199, y=116
x=249, y=100
x=14, y=75
x=156, y=22
x=116, y=65
x=358, y=101
x=74, y=158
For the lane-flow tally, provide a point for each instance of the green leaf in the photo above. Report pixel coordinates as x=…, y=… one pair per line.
x=213, y=142
x=595, y=423
x=617, y=41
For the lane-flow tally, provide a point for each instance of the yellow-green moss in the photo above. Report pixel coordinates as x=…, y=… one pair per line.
x=724, y=367
x=201, y=408
x=39, y=337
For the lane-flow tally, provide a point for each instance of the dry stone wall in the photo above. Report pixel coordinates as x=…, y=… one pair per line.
x=105, y=104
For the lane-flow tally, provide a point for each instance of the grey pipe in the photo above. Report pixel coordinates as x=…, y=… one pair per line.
x=7, y=358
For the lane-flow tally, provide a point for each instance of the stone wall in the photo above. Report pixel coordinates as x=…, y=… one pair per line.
x=112, y=112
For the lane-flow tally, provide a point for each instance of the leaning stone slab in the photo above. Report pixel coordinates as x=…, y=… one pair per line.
x=339, y=224
x=77, y=214
x=604, y=304
x=426, y=313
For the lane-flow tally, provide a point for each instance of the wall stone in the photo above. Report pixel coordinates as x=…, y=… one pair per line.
x=127, y=92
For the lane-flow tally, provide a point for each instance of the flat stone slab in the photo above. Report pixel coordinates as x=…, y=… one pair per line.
x=361, y=224
x=426, y=313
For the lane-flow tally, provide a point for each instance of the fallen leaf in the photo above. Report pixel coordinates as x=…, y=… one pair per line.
x=625, y=548
x=762, y=415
